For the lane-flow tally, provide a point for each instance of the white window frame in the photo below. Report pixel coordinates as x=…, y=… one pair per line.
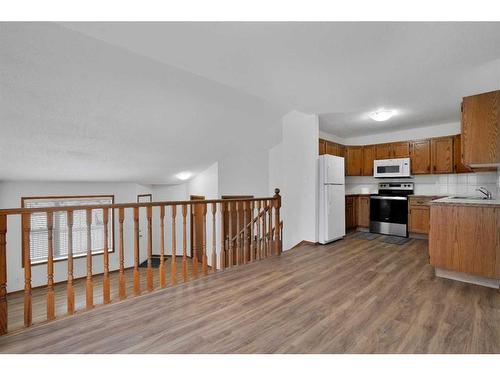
x=84, y=201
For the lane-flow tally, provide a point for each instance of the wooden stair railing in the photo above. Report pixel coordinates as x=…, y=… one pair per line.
x=256, y=238
x=250, y=237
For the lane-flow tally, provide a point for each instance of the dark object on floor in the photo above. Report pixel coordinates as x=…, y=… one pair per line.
x=367, y=236
x=155, y=261
x=395, y=240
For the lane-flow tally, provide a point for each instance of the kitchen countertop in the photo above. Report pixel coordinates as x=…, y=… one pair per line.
x=467, y=202
x=426, y=196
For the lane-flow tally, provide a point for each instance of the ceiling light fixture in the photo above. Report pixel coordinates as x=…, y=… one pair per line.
x=382, y=114
x=183, y=175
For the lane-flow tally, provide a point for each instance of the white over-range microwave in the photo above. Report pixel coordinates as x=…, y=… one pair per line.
x=391, y=168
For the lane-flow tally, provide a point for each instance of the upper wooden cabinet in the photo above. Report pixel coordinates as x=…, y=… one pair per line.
x=392, y=150
x=421, y=157
x=442, y=155
x=322, y=147
x=331, y=148
x=383, y=151
x=480, y=130
x=354, y=156
x=459, y=166
x=368, y=158
x=341, y=151
x=400, y=150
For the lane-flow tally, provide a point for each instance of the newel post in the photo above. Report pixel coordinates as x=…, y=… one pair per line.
x=3, y=274
x=277, y=227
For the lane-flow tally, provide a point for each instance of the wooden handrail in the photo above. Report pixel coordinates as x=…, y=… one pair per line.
x=19, y=211
x=242, y=250
x=253, y=221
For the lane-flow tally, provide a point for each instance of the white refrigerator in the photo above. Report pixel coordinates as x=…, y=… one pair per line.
x=331, y=198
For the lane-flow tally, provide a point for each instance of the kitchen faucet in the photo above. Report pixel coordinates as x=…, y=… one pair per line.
x=485, y=192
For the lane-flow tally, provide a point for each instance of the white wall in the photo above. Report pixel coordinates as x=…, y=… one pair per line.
x=205, y=184
x=10, y=196
x=275, y=155
x=439, y=130
x=299, y=156
x=245, y=173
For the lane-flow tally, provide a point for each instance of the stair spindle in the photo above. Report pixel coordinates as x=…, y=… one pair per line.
x=137, y=284
x=222, y=255
x=185, y=275
x=245, y=232
x=204, y=265
x=122, y=290
x=3, y=275
x=26, y=219
x=230, y=230
x=214, y=240
x=270, y=228
x=238, y=229
x=194, y=255
x=163, y=280
x=51, y=299
x=258, y=251
x=149, y=274
x=173, y=264
x=89, y=286
x=106, y=293
x=277, y=221
x=251, y=248
x=70, y=291
x=264, y=229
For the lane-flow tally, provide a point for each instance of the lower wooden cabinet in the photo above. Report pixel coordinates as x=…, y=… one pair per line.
x=419, y=214
x=419, y=219
x=363, y=205
x=350, y=212
x=357, y=211
x=464, y=238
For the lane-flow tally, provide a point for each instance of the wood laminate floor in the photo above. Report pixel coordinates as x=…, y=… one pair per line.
x=352, y=296
x=15, y=304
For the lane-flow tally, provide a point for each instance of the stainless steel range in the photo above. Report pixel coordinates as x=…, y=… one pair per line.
x=389, y=208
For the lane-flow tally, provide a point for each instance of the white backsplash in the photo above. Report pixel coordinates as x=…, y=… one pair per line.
x=444, y=184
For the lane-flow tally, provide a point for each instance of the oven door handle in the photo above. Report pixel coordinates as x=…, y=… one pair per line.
x=389, y=197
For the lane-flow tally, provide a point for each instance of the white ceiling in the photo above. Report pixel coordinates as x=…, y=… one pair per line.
x=76, y=109
x=341, y=71
x=142, y=101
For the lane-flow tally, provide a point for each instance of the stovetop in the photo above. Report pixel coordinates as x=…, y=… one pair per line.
x=399, y=189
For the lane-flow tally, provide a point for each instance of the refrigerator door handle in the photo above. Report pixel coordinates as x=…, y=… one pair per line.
x=328, y=201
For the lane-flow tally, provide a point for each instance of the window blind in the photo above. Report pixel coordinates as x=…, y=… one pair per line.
x=39, y=232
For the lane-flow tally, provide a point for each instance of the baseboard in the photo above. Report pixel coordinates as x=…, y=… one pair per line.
x=304, y=242
x=467, y=278
x=418, y=236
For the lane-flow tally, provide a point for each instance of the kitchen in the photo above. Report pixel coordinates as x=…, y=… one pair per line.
x=442, y=188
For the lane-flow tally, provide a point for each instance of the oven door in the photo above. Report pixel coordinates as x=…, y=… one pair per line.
x=389, y=215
